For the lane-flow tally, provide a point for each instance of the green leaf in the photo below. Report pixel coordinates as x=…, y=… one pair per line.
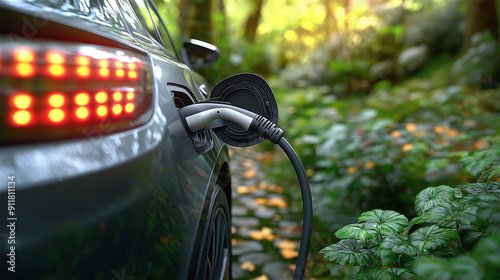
x=373, y=273
x=401, y=273
x=387, y=256
x=432, y=237
x=466, y=267
x=348, y=251
x=357, y=231
x=491, y=218
x=432, y=196
x=424, y=218
x=479, y=161
x=489, y=191
x=471, y=238
x=449, y=213
x=433, y=268
x=386, y=221
x=490, y=172
x=462, y=267
x=488, y=249
x=399, y=244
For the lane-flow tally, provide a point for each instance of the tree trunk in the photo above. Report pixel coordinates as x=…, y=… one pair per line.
x=481, y=16
x=195, y=19
x=328, y=17
x=184, y=16
x=253, y=21
x=347, y=7
x=201, y=25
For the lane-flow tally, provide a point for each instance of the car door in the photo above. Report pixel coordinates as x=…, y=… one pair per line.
x=176, y=82
x=105, y=203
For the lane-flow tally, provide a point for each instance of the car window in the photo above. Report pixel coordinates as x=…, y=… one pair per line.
x=165, y=36
x=136, y=27
x=142, y=11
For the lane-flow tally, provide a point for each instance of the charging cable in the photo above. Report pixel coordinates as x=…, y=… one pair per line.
x=202, y=116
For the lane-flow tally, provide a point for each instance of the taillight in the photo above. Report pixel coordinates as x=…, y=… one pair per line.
x=54, y=90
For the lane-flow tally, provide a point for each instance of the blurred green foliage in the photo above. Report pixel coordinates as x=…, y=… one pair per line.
x=380, y=151
x=454, y=236
x=379, y=101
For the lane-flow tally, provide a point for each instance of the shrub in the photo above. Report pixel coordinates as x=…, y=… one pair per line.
x=456, y=234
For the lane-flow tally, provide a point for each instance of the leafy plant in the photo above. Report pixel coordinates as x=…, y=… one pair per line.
x=445, y=241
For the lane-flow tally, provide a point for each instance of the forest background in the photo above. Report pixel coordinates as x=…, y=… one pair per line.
x=381, y=99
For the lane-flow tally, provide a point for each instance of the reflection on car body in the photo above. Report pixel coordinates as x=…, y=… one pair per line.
x=104, y=189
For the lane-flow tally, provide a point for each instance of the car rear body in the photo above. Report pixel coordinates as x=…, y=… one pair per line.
x=104, y=199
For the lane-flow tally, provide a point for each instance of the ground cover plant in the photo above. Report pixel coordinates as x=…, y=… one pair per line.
x=456, y=234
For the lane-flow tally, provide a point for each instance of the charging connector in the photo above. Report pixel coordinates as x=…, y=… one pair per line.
x=209, y=115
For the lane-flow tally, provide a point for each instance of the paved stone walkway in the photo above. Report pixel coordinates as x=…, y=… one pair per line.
x=266, y=228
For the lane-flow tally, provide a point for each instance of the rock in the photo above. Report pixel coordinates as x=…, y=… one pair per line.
x=288, y=224
x=383, y=69
x=245, y=232
x=264, y=212
x=289, y=229
x=277, y=271
x=413, y=58
x=286, y=244
x=255, y=258
x=244, y=247
x=249, y=202
x=237, y=272
x=238, y=211
x=245, y=221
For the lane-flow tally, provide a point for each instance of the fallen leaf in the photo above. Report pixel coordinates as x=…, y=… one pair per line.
x=370, y=165
x=440, y=129
x=262, y=277
x=480, y=144
x=407, y=147
x=248, y=163
x=352, y=169
x=395, y=134
x=242, y=190
x=250, y=173
x=411, y=127
x=289, y=254
x=248, y=266
x=310, y=172
x=259, y=235
x=260, y=200
x=278, y=202
x=287, y=244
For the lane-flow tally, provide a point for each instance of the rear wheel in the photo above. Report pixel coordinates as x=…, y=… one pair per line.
x=215, y=261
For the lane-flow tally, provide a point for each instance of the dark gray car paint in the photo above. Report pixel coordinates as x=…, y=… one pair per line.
x=110, y=204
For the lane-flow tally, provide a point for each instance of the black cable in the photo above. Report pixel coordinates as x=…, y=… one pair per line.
x=305, y=239
x=203, y=114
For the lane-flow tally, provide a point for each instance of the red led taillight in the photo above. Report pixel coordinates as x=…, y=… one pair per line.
x=52, y=90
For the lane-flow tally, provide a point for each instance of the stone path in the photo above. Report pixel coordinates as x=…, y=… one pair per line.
x=266, y=228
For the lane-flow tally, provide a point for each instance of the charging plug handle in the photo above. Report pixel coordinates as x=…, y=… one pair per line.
x=201, y=116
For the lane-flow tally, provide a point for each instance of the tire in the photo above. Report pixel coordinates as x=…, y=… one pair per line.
x=215, y=254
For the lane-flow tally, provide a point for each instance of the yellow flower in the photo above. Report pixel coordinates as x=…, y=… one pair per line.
x=248, y=266
x=396, y=133
x=452, y=132
x=411, y=127
x=310, y=172
x=440, y=129
x=370, y=165
x=352, y=169
x=480, y=144
x=407, y=147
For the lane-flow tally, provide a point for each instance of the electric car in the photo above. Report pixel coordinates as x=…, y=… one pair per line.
x=98, y=180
